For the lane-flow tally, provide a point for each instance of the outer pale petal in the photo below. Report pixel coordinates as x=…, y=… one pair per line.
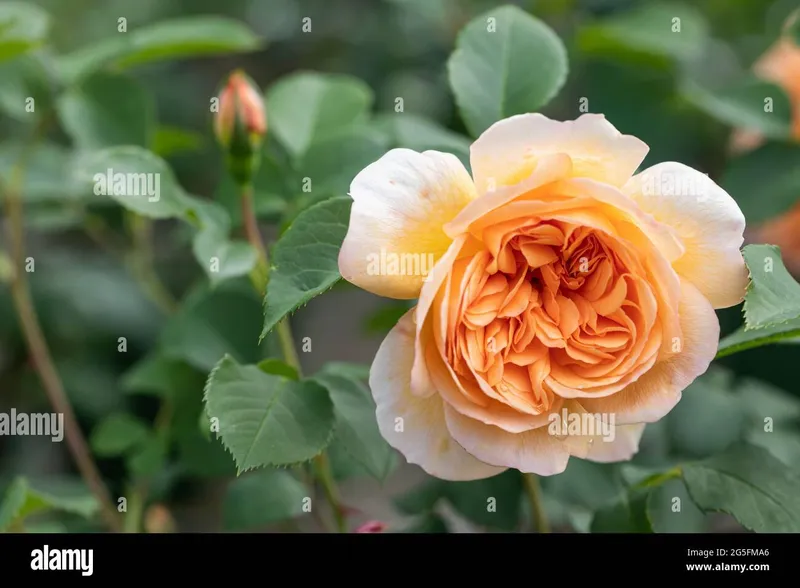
x=506, y=151
x=622, y=447
x=423, y=438
x=708, y=221
x=400, y=204
x=656, y=393
x=535, y=451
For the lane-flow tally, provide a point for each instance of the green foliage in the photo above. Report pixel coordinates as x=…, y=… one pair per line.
x=163, y=327
x=167, y=40
x=306, y=107
x=304, y=268
x=268, y=420
x=23, y=27
x=490, y=68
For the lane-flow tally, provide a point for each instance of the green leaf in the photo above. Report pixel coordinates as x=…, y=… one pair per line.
x=762, y=400
x=118, y=434
x=22, y=500
x=773, y=296
x=421, y=134
x=491, y=502
x=105, y=110
x=266, y=419
x=49, y=174
x=744, y=106
x=222, y=259
x=23, y=79
x=212, y=323
x=354, y=371
x=136, y=178
x=276, y=367
x=169, y=141
x=706, y=420
x=161, y=376
x=356, y=425
x=148, y=459
x=671, y=510
x=586, y=484
x=670, y=30
x=750, y=484
x=302, y=267
x=261, y=498
x=23, y=26
x=385, y=317
x=305, y=107
x=331, y=163
x=764, y=182
x=192, y=36
x=744, y=338
x=490, y=70
x=628, y=514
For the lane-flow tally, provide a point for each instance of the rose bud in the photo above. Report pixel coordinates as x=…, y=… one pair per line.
x=240, y=125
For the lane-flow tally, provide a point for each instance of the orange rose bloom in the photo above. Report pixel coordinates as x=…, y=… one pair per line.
x=570, y=302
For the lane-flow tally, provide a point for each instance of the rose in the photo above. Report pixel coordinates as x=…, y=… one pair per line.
x=568, y=295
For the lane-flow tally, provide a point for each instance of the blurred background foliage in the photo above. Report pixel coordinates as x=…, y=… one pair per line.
x=93, y=279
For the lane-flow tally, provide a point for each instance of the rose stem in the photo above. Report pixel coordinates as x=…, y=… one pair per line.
x=320, y=464
x=40, y=352
x=534, y=491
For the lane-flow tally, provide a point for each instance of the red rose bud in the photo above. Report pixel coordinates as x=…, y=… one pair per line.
x=240, y=125
x=372, y=527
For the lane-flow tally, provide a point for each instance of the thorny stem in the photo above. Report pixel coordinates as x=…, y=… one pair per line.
x=40, y=352
x=534, y=491
x=321, y=467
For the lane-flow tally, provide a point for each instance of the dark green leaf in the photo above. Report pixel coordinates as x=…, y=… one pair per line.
x=213, y=322
x=492, y=502
x=134, y=177
x=764, y=182
x=670, y=510
x=751, y=104
x=330, y=163
x=750, y=484
x=306, y=107
x=356, y=425
x=167, y=141
x=304, y=267
x=105, y=110
x=266, y=419
x=261, y=498
x=773, y=296
x=147, y=460
x=628, y=514
x=669, y=30
x=191, y=36
x=490, y=70
x=118, y=434
x=276, y=367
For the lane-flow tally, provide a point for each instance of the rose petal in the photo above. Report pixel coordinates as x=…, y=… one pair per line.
x=623, y=446
x=412, y=425
x=534, y=451
x=508, y=150
x=400, y=204
x=656, y=393
x=707, y=220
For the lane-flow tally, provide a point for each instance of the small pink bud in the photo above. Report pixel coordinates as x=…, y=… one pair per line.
x=240, y=107
x=372, y=527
